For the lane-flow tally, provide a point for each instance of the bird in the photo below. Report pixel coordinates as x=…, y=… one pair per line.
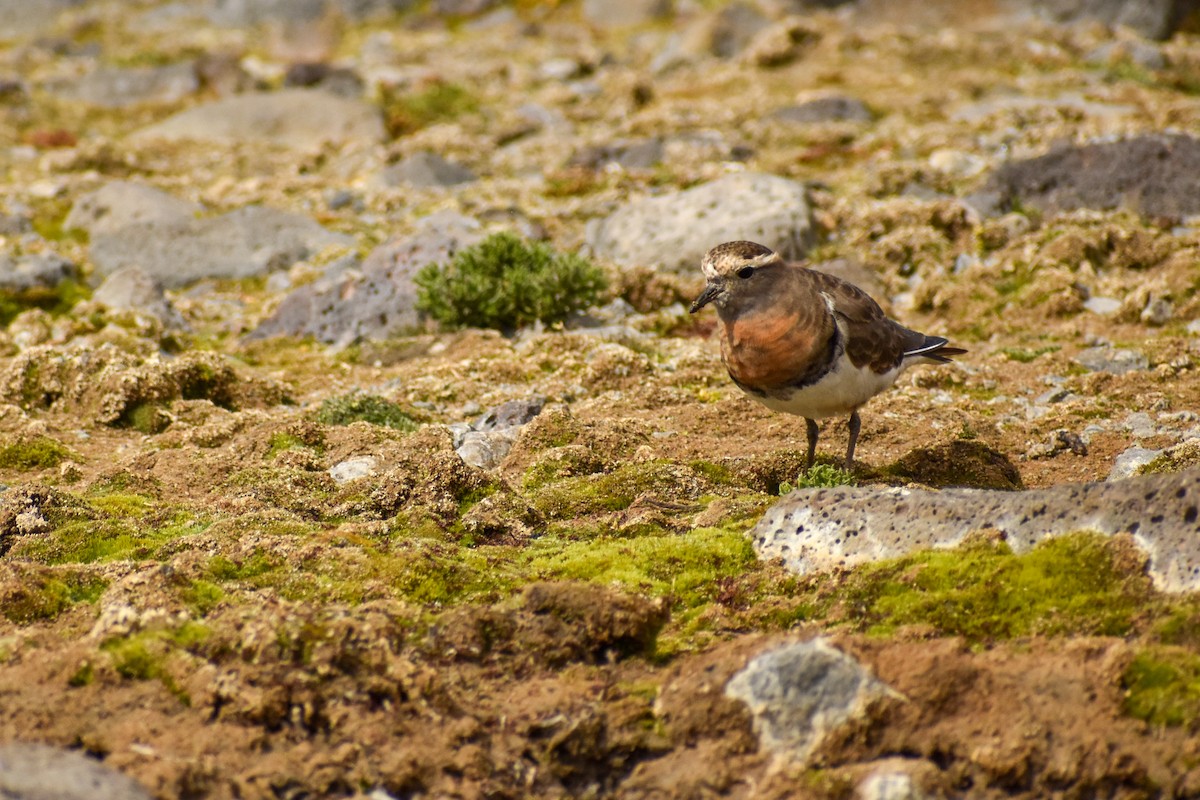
x=805, y=342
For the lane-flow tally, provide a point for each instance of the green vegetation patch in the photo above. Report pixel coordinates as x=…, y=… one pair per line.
x=504, y=283
x=612, y=491
x=44, y=594
x=370, y=408
x=820, y=476
x=439, y=101
x=39, y=452
x=1162, y=687
x=1025, y=355
x=982, y=591
x=56, y=300
x=146, y=655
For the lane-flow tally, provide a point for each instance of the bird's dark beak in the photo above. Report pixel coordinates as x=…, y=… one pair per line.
x=707, y=296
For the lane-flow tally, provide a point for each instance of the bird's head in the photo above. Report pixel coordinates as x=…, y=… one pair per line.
x=737, y=271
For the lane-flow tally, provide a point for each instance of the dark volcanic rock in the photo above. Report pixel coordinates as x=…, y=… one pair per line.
x=377, y=300
x=1157, y=175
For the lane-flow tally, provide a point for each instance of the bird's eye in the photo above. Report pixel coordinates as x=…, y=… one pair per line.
x=745, y=272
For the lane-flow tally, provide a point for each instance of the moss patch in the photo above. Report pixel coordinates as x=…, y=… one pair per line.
x=983, y=592
x=1162, y=687
x=41, y=594
x=40, y=452
x=370, y=408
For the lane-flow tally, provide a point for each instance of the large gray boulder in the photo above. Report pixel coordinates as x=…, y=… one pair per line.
x=820, y=529
x=244, y=243
x=674, y=231
x=118, y=204
x=303, y=119
x=378, y=299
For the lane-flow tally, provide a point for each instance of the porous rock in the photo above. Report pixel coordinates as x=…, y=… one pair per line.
x=378, y=299
x=817, y=529
x=662, y=231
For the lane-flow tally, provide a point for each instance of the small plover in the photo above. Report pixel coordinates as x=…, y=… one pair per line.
x=804, y=342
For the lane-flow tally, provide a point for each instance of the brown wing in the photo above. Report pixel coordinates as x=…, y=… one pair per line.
x=872, y=338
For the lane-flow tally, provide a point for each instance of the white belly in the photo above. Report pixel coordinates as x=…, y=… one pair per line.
x=843, y=389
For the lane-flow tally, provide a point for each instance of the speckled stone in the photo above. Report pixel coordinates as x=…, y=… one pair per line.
x=817, y=529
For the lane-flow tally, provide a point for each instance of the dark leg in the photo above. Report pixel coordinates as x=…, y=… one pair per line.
x=813, y=433
x=855, y=424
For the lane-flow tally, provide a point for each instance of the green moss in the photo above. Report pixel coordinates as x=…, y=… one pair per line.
x=82, y=676
x=90, y=541
x=122, y=505
x=223, y=570
x=145, y=418
x=56, y=300
x=716, y=474
x=145, y=655
x=820, y=476
x=504, y=283
x=370, y=408
x=613, y=491
x=686, y=568
x=436, y=102
x=283, y=441
x=43, y=596
x=202, y=596
x=1162, y=687
x=983, y=592
x=1025, y=355
x=40, y=452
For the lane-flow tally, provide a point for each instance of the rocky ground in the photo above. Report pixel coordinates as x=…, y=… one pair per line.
x=267, y=532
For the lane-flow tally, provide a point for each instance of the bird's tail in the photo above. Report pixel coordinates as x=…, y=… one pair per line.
x=935, y=348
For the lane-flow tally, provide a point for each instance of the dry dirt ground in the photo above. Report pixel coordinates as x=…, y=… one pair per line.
x=188, y=595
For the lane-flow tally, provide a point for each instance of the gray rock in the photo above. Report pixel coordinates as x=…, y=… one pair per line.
x=463, y=8
x=628, y=153
x=1140, y=425
x=837, y=108
x=1133, y=51
x=40, y=772
x=485, y=450
x=1155, y=174
x=22, y=18
x=353, y=469
x=299, y=118
x=247, y=13
x=624, y=13
x=131, y=289
x=119, y=87
x=800, y=693
x=734, y=28
x=1130, y=462
x=341, y=81
x=121, y=203
x=1158, y=311
x=1102, y=305
x=249, y=241
x=819, y=529
x=378, y=299
x=892, y=780
x=512, y=414
x=1154, y=19
x=1059, y=441
x=34, y=270
x=1104, y=358
x=674, y=231
x=424, y=170
x=486, y=442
